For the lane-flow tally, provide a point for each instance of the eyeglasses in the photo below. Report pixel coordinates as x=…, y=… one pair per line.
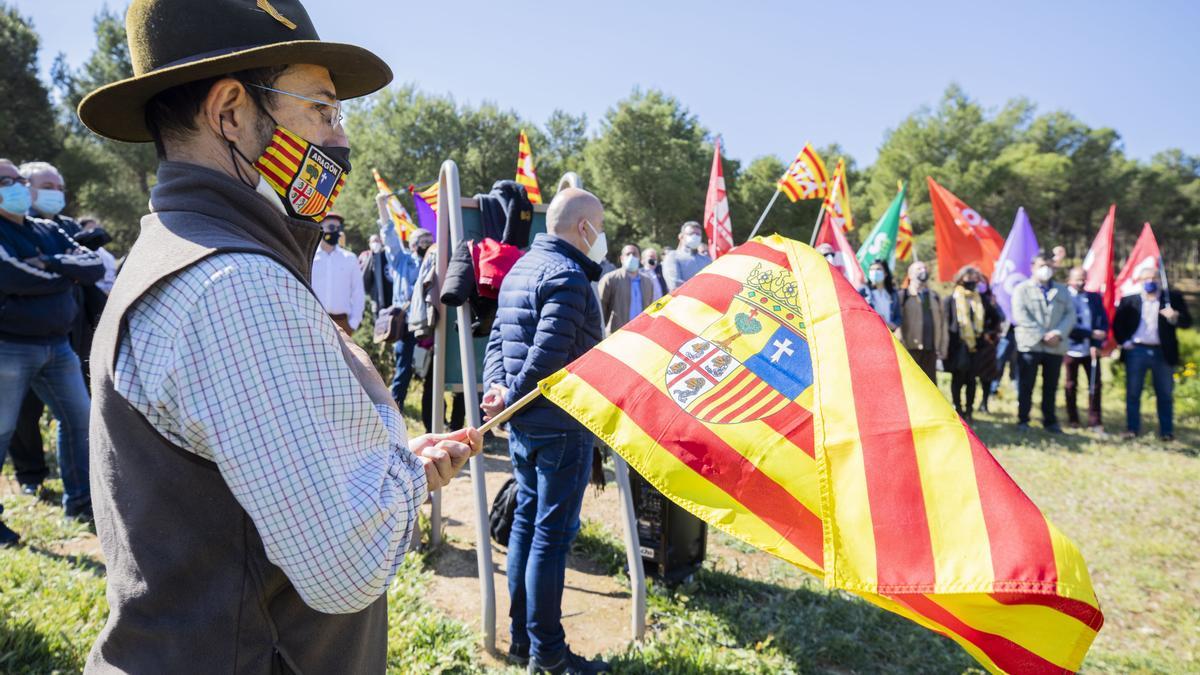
x=6, y=181
x=334, y=119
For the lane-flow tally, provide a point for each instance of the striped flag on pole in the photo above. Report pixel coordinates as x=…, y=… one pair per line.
x=904, y=241
x=525, y=173
x=401, y=222
x=717, y=225
x=752, y=397
x=837, y=202
x=806, y=178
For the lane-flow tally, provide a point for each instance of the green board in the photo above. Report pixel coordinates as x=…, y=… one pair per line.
x=473, y=229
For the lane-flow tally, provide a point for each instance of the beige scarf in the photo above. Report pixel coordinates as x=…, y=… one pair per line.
x=969, y=308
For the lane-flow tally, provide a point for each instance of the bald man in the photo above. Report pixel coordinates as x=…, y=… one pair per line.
x=548, y=316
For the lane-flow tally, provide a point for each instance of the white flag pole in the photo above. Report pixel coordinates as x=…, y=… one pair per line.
x=764, y=213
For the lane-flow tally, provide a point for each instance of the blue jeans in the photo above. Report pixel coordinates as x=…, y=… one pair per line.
x=1137, y=361
x=552, y=470
x=404, y=368
x=54, y=373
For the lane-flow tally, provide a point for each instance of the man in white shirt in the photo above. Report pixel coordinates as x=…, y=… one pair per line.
x=336, y=277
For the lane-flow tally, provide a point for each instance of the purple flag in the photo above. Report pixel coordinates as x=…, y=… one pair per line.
x=426, y=216
x=1015, y=263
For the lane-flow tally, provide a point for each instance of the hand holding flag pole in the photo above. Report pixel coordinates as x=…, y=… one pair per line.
x=510, y=411
x=1162, y=273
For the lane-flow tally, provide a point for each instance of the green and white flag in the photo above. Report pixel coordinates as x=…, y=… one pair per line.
x=881, y=243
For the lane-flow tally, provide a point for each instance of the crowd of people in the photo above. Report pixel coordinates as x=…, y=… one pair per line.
x=249, y=473
x=1054, y=329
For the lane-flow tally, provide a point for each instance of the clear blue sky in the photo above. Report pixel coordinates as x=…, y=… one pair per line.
x=770, y=76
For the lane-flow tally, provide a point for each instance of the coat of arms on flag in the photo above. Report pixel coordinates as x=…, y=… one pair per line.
x=768, y=399
x=315, y=180
x=750, y=363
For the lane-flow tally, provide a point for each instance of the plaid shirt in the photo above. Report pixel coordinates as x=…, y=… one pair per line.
x=233, y=359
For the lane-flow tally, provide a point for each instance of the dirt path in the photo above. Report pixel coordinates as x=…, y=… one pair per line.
x=596, y=606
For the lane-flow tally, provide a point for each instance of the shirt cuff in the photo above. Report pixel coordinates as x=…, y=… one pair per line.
x=406, y=461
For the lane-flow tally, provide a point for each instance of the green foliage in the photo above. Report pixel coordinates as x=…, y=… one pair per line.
x=648, y=160
x=421, y=639
x=1187, y=378
x=649, y=163
x=27, y=117
x=53, y=605
x=1065, y=174
x=108, y=179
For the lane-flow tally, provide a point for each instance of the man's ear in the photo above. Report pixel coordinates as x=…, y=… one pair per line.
x=227, y=110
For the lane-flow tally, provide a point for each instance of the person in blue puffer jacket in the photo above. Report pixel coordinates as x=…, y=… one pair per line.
x=548, y=316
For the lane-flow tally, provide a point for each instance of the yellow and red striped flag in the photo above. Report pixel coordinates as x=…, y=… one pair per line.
x=837, y=201
x=904, y=240
x=806, y=178
x=525, y=173
x=310, y=190
x=428, y=194
x=401, y=221
x=752, y=397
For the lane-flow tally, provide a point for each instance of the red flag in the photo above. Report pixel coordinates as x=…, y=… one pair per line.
x=1098, y=264
x=1145, y=254
x=963, y=236
x=717, y=225
x=843, y=254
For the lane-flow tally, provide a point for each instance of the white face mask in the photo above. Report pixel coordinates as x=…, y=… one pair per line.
x=599, y=247
x=692, y=241
x=1044, y=273
x=376, y=247
x=631, y=263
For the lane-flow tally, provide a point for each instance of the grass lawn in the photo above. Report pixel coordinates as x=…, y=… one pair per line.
x=1132, y=507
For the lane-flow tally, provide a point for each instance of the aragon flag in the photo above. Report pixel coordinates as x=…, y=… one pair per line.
x=904, y=242
x=525, y=173
x=963, y=237
x=766, y=397
x=401, y=222
x=806, y=176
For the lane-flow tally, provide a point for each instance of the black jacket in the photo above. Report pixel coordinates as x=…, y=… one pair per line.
x=506, y=214
x=380, y=294
x=41, y=304
x=1129, y=315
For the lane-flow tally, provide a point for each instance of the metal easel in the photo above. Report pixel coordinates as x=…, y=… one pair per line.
x=450, y=233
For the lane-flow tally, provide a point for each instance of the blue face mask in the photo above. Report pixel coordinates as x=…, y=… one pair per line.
x=49, y=203
x=16, y=199
x=1151, y=287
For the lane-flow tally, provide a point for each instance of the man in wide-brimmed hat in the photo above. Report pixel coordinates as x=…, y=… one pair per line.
x=253, y=483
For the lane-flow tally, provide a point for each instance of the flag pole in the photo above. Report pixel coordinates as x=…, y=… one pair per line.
x=817, y=226
x=510, y=411
x=837, y=183
x=764, y=213
x=1162, y=273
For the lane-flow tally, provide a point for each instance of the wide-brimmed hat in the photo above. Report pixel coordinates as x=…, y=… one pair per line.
x=173, y=42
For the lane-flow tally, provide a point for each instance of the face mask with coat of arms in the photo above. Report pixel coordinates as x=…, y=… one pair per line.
x=307, y=177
